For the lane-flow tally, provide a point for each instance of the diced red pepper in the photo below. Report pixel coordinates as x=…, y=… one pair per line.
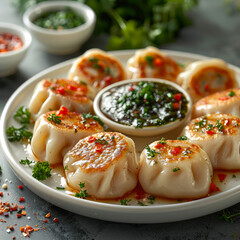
x=176, y=150
x=71, y=87
x=210, y=132
x=91, y=139
x=45, y=220
x=19, y=215
x=177, y=96
x=99, y=149
x=222, y=176
x=21, y=199
x=107, y=79
x=159, y=145
x=61, y=90
x=158, y=62
x=213, y=187
x=20, y=187
x=206, y=87
x=62, y=111
x=176, y=105
x=55, y=219
x=223, y=98
x=130, y=88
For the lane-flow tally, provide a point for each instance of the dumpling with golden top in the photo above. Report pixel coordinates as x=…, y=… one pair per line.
x=57, y=132
x=205, y=77
x=152, y=63
x=227, y=101
x=105, y=162
x=97, y=68
x=175, y=169
x=219, y=136
x=51, y=94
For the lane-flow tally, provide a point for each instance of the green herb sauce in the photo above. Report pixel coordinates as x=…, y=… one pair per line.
x=58, y=20
x=144, y=104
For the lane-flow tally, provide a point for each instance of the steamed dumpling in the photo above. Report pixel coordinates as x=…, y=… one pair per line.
x=219, y=136
x=51, y=94
x=105, y=162
x=97, y=68
x=202, y=78
x=57, y=132
x=152, y=63
x=227, y=101
x=175, y=169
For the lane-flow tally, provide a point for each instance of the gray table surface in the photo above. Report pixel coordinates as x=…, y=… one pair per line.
x=215, y=34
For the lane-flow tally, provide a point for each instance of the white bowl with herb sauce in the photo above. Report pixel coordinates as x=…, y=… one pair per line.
x=61, y=27
x=143, y=107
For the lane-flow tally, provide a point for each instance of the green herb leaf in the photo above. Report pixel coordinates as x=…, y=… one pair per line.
x=96, y=118
x=151, y=199
x=18, y=134
x=231, y=94
x=0, y=170
x=182, y=138
x=101, y=141
x=22, y=115
x=163, y=141
x=141, y=203
x=60, y=188
x=219, y=126
x=125, y=201
x=83, y=193
x=149, y=60
x=54, y=118
x=150, y=152
x=26, y=162
x=176, y=169
x=41, y=171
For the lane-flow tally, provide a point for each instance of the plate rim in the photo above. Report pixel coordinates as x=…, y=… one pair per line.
x=104, y=208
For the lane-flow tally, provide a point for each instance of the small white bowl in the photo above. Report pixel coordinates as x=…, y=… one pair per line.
x=9, y=61
x=145, y=131
x=60, y=42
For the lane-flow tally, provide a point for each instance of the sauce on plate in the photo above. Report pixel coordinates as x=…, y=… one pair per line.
x=9, y=42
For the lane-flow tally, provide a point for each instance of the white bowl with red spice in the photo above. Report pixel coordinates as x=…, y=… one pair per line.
x=60, y=41
x=140, y=113
x=14, y=44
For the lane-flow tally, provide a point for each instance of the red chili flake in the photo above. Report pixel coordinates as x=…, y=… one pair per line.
x=80, y=89
x=213, y=187
x=55, y=219
x=136, y=112
x=45, y=220
x=61, y=90
x=159, y=145
x=1, y=194
x=99, y=149
x=176, y=105
x=107, y=79
x=210, y=132
x=20, y=187
x=177, y=96
x=21, y=207
x=226, y=122
x=176, y=150
x=206, y=87
x=26, y=230
x=19, y=215
x=21, y=199
x=101, y=64
x=11, y=228
x=222, y=176
x=34, y=213
x=158, y=62
x=48, y=215
x=63, y=110
x=130, y=88
x=71, y=87
x=145, y=100
x=14, y=238
x=91, y=139
x=223, y=98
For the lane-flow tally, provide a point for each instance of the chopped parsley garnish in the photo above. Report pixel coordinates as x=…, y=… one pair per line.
x=83, y=193
x=150, y=152
x=149, y=60
x=66, y=167
x=60, y=188
x=234, y=176
x=18, y=134
x=82, y=82
x=54, y=118
x=112, y=137
x=96, y=118
x=228, y=216
x=125, y=201
x=209, y=127
x=182, y=138
x=201, y=123
x=231, y=94
x=176, y=169
x=101, y=141
x=186, y=152
x=22, y=115
x=26, y=162
x=219, y=126
x=107, y=70
x=163, y=141
x=151, y=199
x=141, y=203
x=41, y=171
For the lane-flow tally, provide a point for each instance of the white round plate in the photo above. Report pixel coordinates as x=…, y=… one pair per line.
x=156, y=213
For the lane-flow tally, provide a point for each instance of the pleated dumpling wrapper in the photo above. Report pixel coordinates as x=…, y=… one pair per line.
x=152, y=63
x=57, y=132
x=97, y=68
x=51, y=94
x=227, y=101
x=205, y=77
x=175, y=169
x=105, y=162
x=219, y=136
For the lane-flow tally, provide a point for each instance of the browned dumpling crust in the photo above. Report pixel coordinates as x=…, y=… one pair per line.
x=219, y=136
x=152, y=63
x=51, y=94
x=97, y=68
x=56, y=132
x=175, y=169
x=227, y=101
x=105, y=162
x=205, y=77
